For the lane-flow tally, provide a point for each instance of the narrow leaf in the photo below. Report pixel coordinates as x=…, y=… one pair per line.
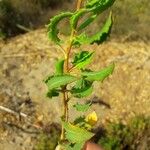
x=87, y=22
x=59, y=67
x=80, y=39
x=79, y=120
x=52, y=93
x=82, y=122
x=98, y=6
x=102, y=35
x=92, y=3
x=80, y=93
x=75, y=17
x=99, y=75
x=52, y=26
x=75, y=134
x=98, y=38
x=82, y=59
x=83, y=88
x=82, y=107
x=60, y=80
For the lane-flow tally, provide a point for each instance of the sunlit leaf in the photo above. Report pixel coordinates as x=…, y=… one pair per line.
x=98, y=6
x=81, y=122
x=92, y=3
x=75, y=17
x=81, y=39
x=83, y=88
x=82, y=59
x=75, y=134
x=52, y=26
x=80, y=93
x=87, y=22
x=99, y=75
x=59, y=80
x=102, y=35
x=82, y=107
x=59, y=67
x=97, y=38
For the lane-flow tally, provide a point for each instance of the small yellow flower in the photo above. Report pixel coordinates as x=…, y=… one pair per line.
x=91, y=118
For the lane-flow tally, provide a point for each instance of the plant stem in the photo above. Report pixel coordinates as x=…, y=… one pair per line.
x=79, y=3
x=66, y=70
x=64, y=113
x=73, y=32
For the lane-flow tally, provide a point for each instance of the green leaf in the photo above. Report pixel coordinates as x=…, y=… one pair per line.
x=52, y=93
x=99, y=75
x=102, y=35
x=59, y=67
x=52, y=26
x=79, y=120
x=80, y=39
x=77, y=146
x=75, y=17
x=74, y=134
x=82, y=59
x=98, y=6
x=92, y=3
x=82, y=107
x=59, y=80
x=83, y=88
x=80, y=93
x=87, y=22
x=48, y=78
x=98, y=38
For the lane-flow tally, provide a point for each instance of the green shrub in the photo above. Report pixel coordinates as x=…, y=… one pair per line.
x=47, y=140
x=126, y=137
x=49, y=3
x=10, y=17
x=16, y=13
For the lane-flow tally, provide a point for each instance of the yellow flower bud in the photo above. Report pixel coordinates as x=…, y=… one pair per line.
x=91, y=118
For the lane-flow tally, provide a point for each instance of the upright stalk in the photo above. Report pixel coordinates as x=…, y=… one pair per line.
x=66, y=70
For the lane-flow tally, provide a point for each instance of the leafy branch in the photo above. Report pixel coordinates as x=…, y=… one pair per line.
x=80, y=84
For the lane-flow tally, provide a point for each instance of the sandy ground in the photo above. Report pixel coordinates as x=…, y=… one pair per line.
x=27, y=59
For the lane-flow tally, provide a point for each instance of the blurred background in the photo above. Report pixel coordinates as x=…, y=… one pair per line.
x=19, y=16
x=27, y=56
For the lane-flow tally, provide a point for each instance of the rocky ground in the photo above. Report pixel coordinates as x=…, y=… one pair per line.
x=27, y=59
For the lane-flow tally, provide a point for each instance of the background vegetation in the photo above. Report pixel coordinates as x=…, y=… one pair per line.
x=114, y=136
x=18, y=16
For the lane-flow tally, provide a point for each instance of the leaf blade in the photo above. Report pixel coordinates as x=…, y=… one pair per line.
x=82, y=59
x=87, y=22
x=83, y=88
x=59, y=67
x=60, y=80
x=82, y=107
x=52, y=93
x=98, y=6
x=75, y=134
x=102, y=35
x=52, y=26
x=75, y=17
x=99, y=75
